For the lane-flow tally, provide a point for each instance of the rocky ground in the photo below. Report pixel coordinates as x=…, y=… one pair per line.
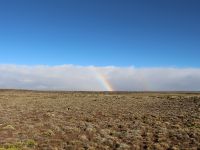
x=82, y=120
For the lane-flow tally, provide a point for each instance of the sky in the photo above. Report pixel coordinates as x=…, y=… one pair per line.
x=127, y=43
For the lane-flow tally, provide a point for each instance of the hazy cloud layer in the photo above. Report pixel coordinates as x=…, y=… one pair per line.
x=71, y=77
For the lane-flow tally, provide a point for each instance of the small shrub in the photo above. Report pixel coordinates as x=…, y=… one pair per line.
x=31, y=143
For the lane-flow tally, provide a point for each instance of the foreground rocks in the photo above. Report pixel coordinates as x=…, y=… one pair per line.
x=83, y=120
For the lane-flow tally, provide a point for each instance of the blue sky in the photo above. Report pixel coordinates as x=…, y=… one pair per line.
x=142, y=33
x=100, y=45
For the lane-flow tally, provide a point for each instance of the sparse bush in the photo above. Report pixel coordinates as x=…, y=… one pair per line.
x=30, y=143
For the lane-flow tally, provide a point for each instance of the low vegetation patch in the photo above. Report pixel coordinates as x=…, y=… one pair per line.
x=83, y=120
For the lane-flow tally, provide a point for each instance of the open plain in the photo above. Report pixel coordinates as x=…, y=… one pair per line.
x=98, y=120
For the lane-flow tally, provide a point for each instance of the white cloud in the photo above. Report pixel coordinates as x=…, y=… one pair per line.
x=72, y=77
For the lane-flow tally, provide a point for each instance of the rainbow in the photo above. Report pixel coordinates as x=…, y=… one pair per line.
x=102, y=79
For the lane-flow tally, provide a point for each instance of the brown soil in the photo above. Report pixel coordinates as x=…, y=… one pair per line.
x=86, y=120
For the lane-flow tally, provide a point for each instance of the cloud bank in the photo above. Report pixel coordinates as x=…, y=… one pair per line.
x=91, y=78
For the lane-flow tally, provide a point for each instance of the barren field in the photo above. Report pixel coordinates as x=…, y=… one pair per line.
x=85, y=120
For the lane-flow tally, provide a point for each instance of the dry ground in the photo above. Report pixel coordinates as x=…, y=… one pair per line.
x=83, y=120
